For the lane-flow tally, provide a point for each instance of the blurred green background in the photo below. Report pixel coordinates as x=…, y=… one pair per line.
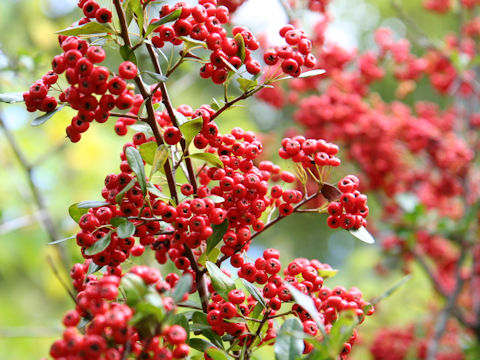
x=32, y=300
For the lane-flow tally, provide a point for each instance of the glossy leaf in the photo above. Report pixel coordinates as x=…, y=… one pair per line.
x=122, y=193
x=134, y=288
x=183, y=287
x=11, y=98
x=181, y=320
x=136, y=164
x=222, y=284
x=159, y=159
x=241, y=46
x=200, y=344
x=40, y=120
x=125, y=229
x=128, y=54
x=330, y=192
x=153, y=190
x=363, y=235
x=92, y=204
x=210, y=158
x=247, y=84
x=217, y=235
x=61, y=240
x=215, y=198
x=327, y=273
x=155, y=76
x=174, y=15
x=307, y=74
x=136, y=7
x=99, y=245
x=307, y=303
x=93, y=268
x=257, y=295
x=92, y=27
x=216, y=354
x=191, y=128
x=76, y=212
x=147, y=150
x=287, y=345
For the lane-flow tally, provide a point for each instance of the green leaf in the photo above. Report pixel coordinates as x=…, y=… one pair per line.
x=125, y=229
x=117, y=220
x=136, y=164
x=247, y=84
x=167, y=18
x=241, y=46
x=327, y=273
x=155, y=76
x=122, y=193
x=134, y=288
x=181, y=320
x=200, y=344
x=307, y=304
x=391, y=290
x=191, y=128
x=92, y=204
x=363, y=235
x=189, y=43
x=147, y=130
x=88, y=28
x=147, y=150
x=257, y=295
x=215, y=198
x=210, y=158
x=221, y=283
x=136, y=7
x=159, y=159
x=307, y=74
x=287, y=346
x=45, y=117
x=11, y=98
x=341, y=331
x=93, y=268
x=153, y=190
x=183, y=286
x=99, y=245
x=181, y=119
x=217, y=235
x=216, y=354
x=76, y=212
x=61, y=240
x=128, y=54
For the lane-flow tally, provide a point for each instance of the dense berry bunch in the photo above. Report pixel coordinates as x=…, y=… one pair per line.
x=309, y=152
x=92, y=10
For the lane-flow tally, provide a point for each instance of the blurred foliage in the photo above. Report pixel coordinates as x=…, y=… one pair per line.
x=32, y=300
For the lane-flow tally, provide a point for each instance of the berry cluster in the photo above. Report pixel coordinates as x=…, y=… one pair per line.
x=302, y=274
x=352, y=209
x=109, y=330
x=294, y=55
x=203, y=22
x=309, y=152
x=92, y=10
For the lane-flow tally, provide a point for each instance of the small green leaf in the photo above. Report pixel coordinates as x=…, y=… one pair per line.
x=216, y=354
x=247, y=84
x=189, y=43
x=167, y=18
x=99, y=245
x=45, y=117
x=210, y=158
x=125, y=229
x=363, y=234
x=214, y=104
x=61, y=240
x=155, y=76
x=217, y=235
x=200, y=344
x=183, y=286
x=181, y=119
x=136, y=7
x=181, y=320
x=391, y=290
x=92, y=204
x=241, y=46
x=147, y=150
x=307, y=74
x=159, y=159
x=136, y=164
x=11, y=98
x=307, y=303
x=287, y=345
x=88, y=28
x=191, y=128
x=122, y=193
x=128, y=54
x=221, y=283
x=153, y=190
x=116, y=221
x=93, y=268
x=147, y=130
x=76, y=212
x=257, y=295
x=215, y=198
x=134, y=288
x=327, y=273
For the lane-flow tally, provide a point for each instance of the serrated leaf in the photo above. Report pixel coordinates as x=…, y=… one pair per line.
x=136, y=164
x=167, y=18
x=76, y=212
x=159, y=159
x=122, y=193
x=210, y=158
x=183, y=286
x=287, y=346
x=241, y=46
x=128, y=54
x=363, y=235
x=125, y=229
x=11, y=98
x=147, y=151
x=191, y=128
x=61, y=240
x=217, y=235
x=45, y=117
x=221, y=283
x=257, y=295
x=88, y=28
x=92, y=204
x=307, y=303
x=330, y=192
x=391, y=290
x=155, y=76
x=247, y=84
x=216, y=354
x=99, y=245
